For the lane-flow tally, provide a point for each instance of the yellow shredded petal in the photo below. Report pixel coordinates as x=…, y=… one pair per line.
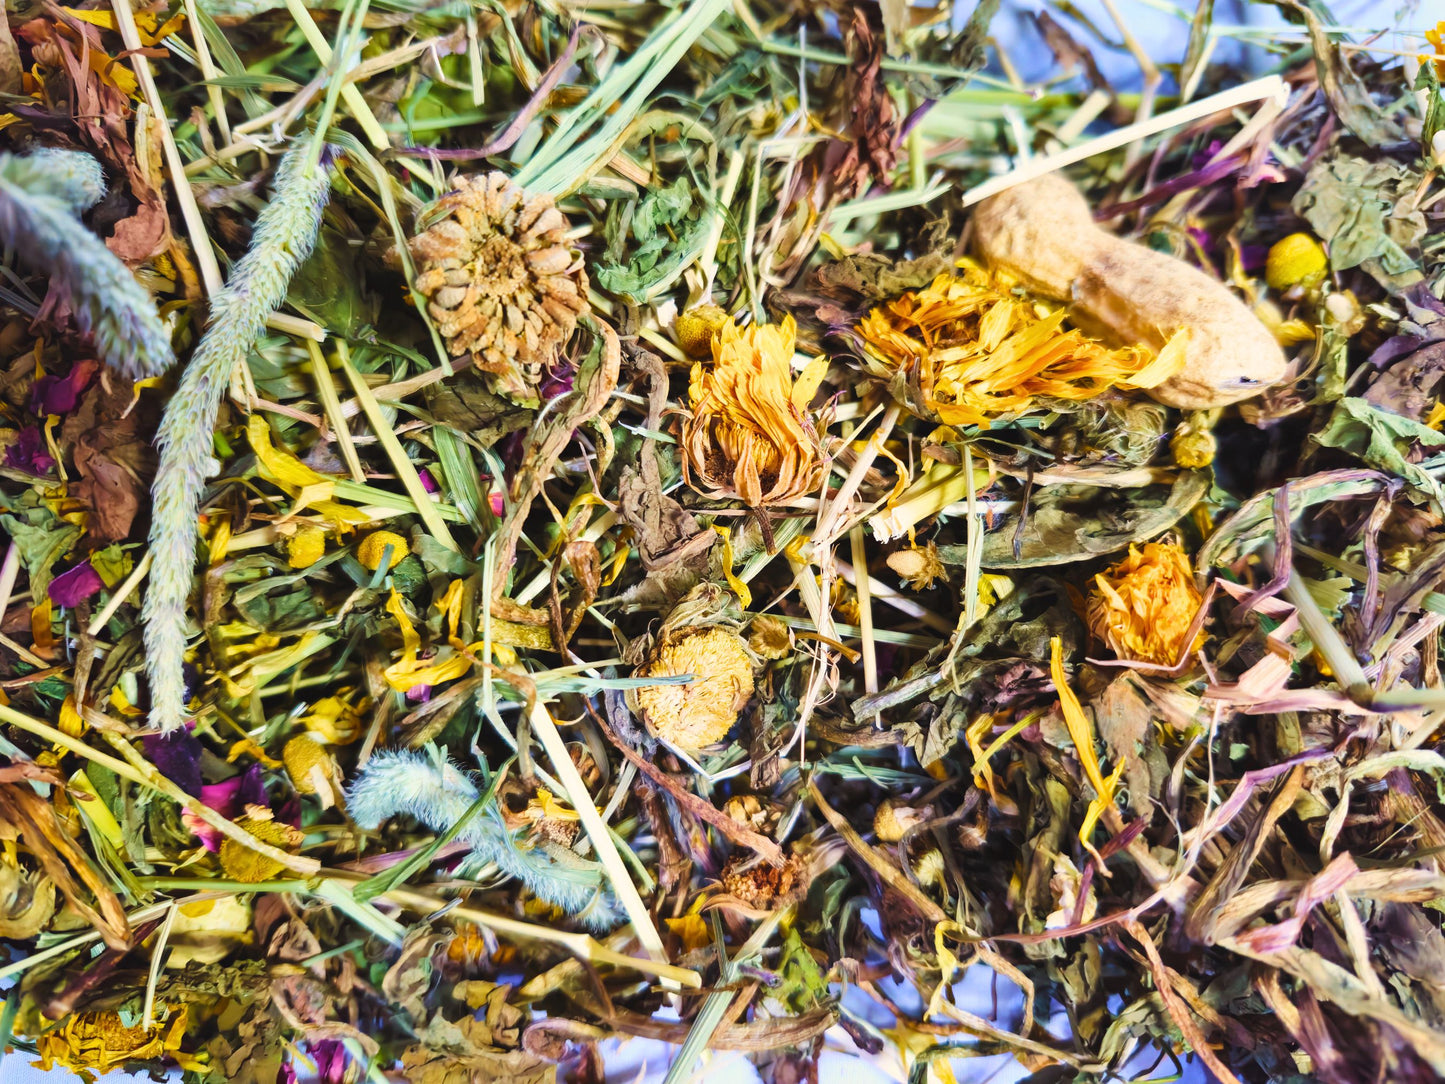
x=745, y=596
x=1081, y=733
x=279, y=466
x=979, y=350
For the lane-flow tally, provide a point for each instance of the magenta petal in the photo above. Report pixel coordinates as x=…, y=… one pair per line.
x=29, y=453
x=75, y=586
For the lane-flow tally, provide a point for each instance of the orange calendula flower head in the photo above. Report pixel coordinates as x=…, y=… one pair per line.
x=750, y=436
x=1143, y=606
x=972, y=349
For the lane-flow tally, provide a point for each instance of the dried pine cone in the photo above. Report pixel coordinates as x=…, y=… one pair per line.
x=501, y=281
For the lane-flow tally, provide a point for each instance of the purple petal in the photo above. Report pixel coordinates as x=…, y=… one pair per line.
x=178, y=756
x=28, y=452
x=330, y=1056
x=428, y=483
x=60, y=394
x=75, y=586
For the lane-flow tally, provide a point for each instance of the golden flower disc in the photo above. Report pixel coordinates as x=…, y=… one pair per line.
x=240, y=863
x=1143, y=606
x=696, y=328
x=501, y=280
x=371, y=548
x=704, y=710
x=301, y=755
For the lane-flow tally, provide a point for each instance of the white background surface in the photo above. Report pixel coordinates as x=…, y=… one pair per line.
x=1163, y=36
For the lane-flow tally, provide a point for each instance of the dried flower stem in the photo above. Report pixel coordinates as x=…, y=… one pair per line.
x=285, y=233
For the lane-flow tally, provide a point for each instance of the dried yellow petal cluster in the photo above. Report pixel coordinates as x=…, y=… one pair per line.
x=502, y=280
x=702, y=711
x=1143, y=606
x=750, y=435
x=978, y=350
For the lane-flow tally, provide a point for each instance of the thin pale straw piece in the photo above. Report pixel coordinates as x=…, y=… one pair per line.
x=583, y=945
x=551, y=738
x=1271, y=86
x=405, y=469
x=349, y=93
x=331, y=403
x=121, y=593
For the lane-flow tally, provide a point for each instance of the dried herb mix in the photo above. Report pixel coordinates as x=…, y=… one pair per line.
x=529, y=526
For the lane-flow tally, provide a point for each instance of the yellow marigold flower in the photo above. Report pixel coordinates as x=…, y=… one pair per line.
x=240, y=863
x=750, y=435
x=306, y=546
x=1143, y=606
x=1296, y=260
x=370, y=549
x=696, y=327
x=703, y=710
x=1436, y=38
x=97, y=1042
x=977, y=349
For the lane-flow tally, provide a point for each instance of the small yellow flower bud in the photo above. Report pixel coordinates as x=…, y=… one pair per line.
x=696, y=327
x=1294, y=261
x=917, y=566
x=369, y=551
x=1193, y=448
x=306, y=546
x=768, y=637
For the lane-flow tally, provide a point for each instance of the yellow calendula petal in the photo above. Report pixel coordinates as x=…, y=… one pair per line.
x=808, y=382
x=450, y=604
x=745, y=596
x=280, y=466
x=95, y=810
x=1081, y=733
x=407, y=675
x=220, y=543
x=411, y=642
x=1167, y=364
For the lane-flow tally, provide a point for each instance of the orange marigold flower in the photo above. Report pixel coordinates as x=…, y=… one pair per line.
x=977, y=349
x=1143, y=606
x=750, y=435
x=1436, y=38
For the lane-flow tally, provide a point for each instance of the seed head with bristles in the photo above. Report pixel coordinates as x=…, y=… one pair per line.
x=284, y=235
x=40, y=199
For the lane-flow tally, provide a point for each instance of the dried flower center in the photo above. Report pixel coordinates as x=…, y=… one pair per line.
x=500, y=268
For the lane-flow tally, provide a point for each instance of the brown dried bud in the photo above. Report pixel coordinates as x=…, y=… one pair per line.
x=764, y=887
x=501, y=280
